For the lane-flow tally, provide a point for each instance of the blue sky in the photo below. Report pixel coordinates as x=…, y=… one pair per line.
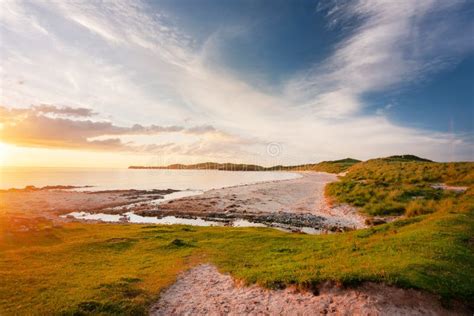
x=190, y=81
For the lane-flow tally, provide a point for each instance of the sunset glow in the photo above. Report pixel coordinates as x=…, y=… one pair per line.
x=3, y=153
x=189, y=82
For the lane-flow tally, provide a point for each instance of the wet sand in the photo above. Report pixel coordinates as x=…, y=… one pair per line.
x=53, y=202
x=296, y=202
x=204, y=291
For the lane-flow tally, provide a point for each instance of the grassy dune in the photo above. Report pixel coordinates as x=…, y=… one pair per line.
x=332, y=166
x=392, y=186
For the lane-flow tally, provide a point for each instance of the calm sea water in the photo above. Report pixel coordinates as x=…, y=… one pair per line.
x=110, y=179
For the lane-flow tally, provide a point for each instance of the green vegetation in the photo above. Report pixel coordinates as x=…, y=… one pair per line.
x=335, y=166
x=395, y=185
x=405, y=158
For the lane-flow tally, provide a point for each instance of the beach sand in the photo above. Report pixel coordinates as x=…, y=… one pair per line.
x=204, y=291
x=299, y=202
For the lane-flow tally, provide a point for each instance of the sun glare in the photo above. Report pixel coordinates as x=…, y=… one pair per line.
x=3, y=153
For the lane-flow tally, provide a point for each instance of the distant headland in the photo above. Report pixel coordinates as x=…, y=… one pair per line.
x=332, y=166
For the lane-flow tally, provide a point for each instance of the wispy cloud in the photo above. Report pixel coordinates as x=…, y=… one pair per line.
x=123, y=23
x=62, y=110
x=140, y=74
x=40, y=126
x=390, y=44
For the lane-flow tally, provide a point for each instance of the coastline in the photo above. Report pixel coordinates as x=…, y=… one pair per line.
x=286, y=203
x=295, y=202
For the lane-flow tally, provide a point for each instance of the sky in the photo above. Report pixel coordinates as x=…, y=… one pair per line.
x=118, y=83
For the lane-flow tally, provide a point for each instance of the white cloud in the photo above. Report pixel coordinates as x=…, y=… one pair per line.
x=67, y=127
x=395, y=43
x=132, y=62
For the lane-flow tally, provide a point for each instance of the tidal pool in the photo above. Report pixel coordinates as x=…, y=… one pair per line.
x=133, y=218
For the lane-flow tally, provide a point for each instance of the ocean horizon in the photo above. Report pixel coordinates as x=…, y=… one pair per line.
x=95, y=179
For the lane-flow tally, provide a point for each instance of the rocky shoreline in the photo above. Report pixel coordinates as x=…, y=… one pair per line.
x=288, y=221
x=297, y=202
x=287, y=204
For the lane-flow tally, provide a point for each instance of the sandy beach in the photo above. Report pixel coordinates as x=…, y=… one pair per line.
x=204, y=291
x=298, y=202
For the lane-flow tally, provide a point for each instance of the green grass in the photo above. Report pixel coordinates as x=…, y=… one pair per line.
x=393, y=186
x=104, y=269
x=335, y=166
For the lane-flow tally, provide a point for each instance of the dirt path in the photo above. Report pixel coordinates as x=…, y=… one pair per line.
x=205, y=291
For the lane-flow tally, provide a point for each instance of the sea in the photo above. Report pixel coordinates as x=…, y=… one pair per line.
x=91, y=179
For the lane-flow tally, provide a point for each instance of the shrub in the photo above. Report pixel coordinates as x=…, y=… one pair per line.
x=419, y=207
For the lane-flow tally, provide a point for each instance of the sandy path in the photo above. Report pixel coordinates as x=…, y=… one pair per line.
x=205, y=291
x=301, y=196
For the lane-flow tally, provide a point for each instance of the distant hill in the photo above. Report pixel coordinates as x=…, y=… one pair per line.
x=331, y=166
x=335, y=166
x=207, y=166
x=403, y=158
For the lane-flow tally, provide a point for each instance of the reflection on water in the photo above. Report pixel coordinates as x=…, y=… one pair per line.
x=140, y=179
x=131, y=217
x=246, y=223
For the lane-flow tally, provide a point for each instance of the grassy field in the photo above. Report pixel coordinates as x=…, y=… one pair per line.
x=395, y=186
x=80, y=269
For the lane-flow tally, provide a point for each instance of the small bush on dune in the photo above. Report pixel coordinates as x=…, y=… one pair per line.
x=419, y=207
x=384, y=208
